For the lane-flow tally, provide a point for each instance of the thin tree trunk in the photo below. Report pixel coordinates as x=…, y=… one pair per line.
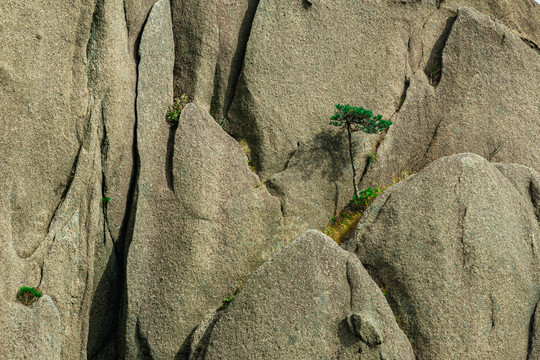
x=356, y=192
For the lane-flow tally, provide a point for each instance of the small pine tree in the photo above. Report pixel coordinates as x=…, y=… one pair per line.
x=353, y=119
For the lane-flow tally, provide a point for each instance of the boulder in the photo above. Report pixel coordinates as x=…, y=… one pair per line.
x=456, y=247
x=311, y=300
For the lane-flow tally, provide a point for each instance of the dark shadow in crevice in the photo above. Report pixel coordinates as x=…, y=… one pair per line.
x=434, y=65
x=531, y=44
x=169, y=175
x=128, y=222
x=106, y=301
x=306, y=4
x=239, y=55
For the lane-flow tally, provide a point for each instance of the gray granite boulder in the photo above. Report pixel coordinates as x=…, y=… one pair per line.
x=456, y=245
x=311, y=300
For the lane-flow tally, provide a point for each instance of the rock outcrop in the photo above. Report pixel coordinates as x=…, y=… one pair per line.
x=202, y=222
x=312, y=300
x=456, y=245
x=477, y=87
x=135, y=230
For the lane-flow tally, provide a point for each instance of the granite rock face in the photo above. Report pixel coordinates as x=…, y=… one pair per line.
x=480, y=72
x=210, y=38
x=203, y=222
x=456, y=245
x=124, y=222
x=311, y=300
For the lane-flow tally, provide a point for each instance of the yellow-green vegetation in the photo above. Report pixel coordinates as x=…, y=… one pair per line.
x=342, y=226
x=27, y=295
x=245, y=148
x=227, y=301
x=173, y=115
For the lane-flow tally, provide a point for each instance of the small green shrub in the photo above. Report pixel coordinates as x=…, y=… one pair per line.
x=173, y=115
x=227, y=301
x=105, y=199
x=27, y=295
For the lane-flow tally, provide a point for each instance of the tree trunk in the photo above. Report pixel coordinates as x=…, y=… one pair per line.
x=356, y=192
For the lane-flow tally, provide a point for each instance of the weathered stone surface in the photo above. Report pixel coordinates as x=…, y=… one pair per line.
x=521, y=16
x=67, y=93
x=201, y=226
x=212, y=228
x=535, y=335
x=487, y=101
x=299, y=305
x=457, y=247
x=32, y=331
x=299, y=64
x=210, y=37
x=317, y=182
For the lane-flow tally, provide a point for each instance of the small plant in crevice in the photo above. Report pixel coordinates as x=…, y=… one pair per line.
x=105, y=199
x=173, y=114
x=27, y=295
x=352, y=118
x=227, y=301
x=342, y=225
x=245, y=148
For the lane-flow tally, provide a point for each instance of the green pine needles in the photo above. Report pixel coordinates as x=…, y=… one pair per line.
x=352, y=119
x=27, y=295
x=359, y=118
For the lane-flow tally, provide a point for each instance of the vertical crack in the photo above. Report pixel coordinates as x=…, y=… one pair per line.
x=533, y=337
x=239, y=55
x=434, y=65
x=169, y=174
x=128, y=222
x=69, y=181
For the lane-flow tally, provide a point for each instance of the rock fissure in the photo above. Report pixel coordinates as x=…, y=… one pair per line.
x=239, y=56
x=532, y=334
x=434, y=67
x=531, y=44
x=534, y=193
x=428, y=148
x=169, y=157
x=69, y=181
x=144, y=346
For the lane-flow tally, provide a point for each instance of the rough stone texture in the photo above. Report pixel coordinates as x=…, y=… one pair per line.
x=317, y=181
x=312, y=300
x=457, y=247
x=201, y=335
x=67, y=90
x=298, y=64
x=33, y=331
x=535, y=335
x=522, y=16
x=210, y=37
x=212, y=228
x=291, y=79
x=202, y=224
x=490, y=84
